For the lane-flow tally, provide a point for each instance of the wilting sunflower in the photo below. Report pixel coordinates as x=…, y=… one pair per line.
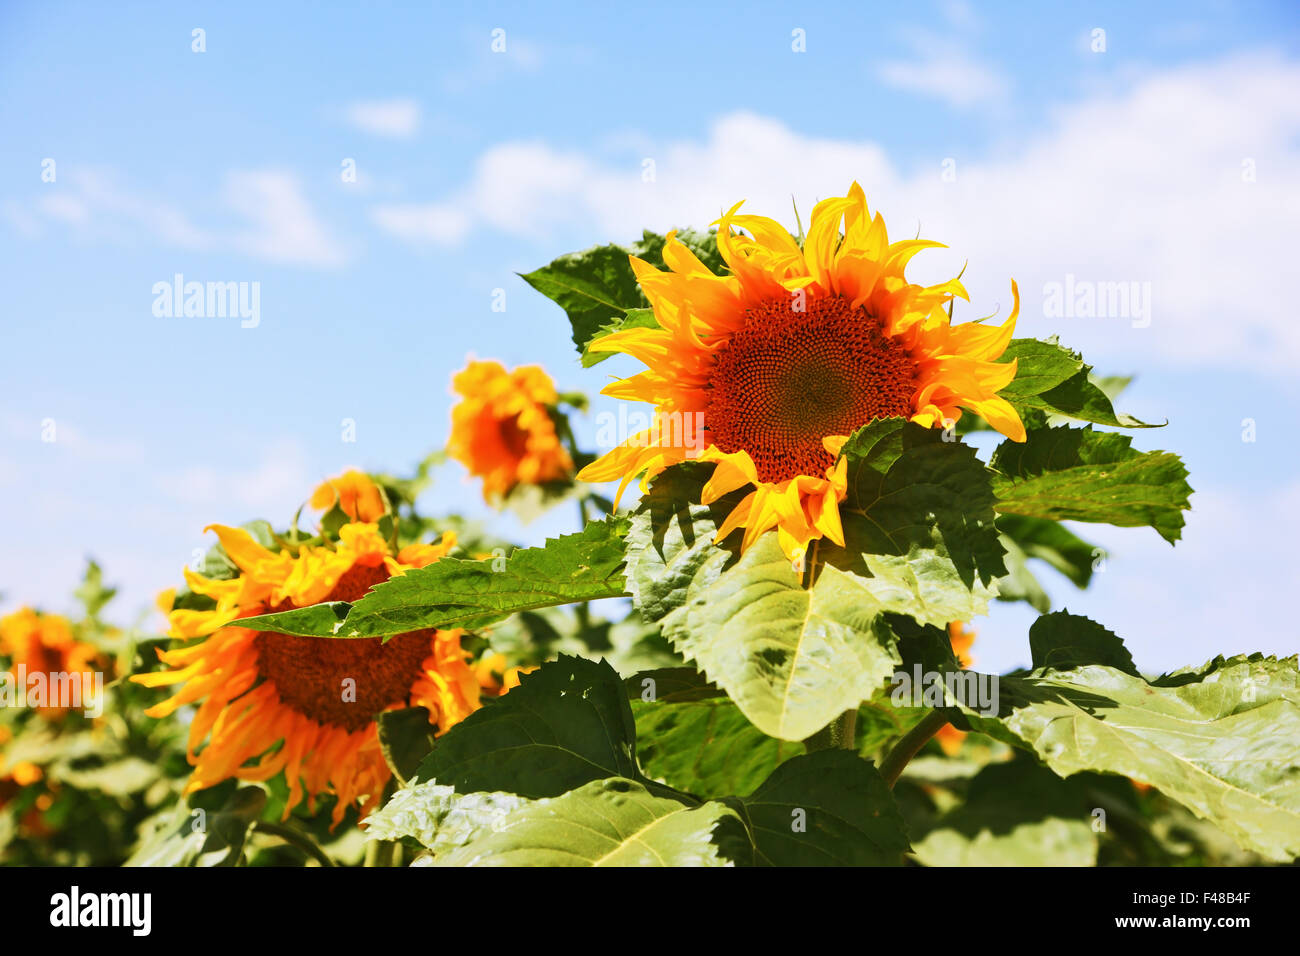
x=45, y=644
x=502, y=429
x=271, y=702
x=961, y=638
x=766, y=371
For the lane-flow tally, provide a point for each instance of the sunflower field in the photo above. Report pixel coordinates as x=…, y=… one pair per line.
x=758, y=646
x=513, y=435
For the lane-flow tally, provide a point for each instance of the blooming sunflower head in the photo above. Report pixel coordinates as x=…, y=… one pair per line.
x=770, y=368
x=268, y=703
x=45, y=644
x=502, y=428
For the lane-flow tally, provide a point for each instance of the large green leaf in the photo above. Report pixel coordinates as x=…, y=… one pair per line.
x=566, y=724
x=613, y=822
x=1014, y=814
x=829, y=808
x=792, y=658
x=670, y=547
x=1220, y=739
x=405, y=738
x=1085, y=475
x=1053, y=380
x=919, y=524
x=454, y=592
x=673, y=685
x=705, y=747
x=438, y=817
x=592, y=286
x=1063, y=640
x=200, y=838
x=597, y=288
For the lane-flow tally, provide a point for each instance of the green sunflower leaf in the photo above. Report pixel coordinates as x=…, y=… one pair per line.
x=566, y=724
x=196, y=837
x=672, y=685
x=456, y=592
x=706, y=747
x=598, y=290
x=1063, y=640
x=829, y=808
x=1220, y=739
x=670, y=547
x=405, y=738
x=1053, y=380
x=438, y=817
x=1083, y=475
x=792, y=658
x=612, y=822
x=593, y=287
x=1014, y=814
x=919, y=524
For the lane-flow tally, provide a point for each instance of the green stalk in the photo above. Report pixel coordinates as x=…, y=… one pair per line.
x=294, y=838
x=907, y=748
x=838, y=734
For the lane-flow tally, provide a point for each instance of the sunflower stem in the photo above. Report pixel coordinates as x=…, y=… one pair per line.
x=838, y=734
x=907, y=748
x=582, y=611
x=810, y=565
x=380, y=853
x=295, y=838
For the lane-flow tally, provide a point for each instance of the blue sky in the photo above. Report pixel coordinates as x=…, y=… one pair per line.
x=1169, y=158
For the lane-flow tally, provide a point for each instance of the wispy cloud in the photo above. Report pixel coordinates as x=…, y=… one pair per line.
x=283, y=226
x=279, y=223
x=945, y=73
x=422, y=222
x=943, y=67
x=394, y=118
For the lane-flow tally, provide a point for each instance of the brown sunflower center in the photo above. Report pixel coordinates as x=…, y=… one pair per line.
x=311, y=674
x=788, y=379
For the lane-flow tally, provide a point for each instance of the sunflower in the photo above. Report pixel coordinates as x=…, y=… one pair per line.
x=502, y=429
x=271, y=702
x=44, y=644
x=767, y=370
x=356, y=495
x=961, y=638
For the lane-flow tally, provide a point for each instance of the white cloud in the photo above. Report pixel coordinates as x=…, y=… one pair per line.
x=280, y=224
x=1144, y=185
x=65, y=208
x=430, y=222
x=944, y=70
x=102, y=192
x=284, y=229
x=397, y=118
